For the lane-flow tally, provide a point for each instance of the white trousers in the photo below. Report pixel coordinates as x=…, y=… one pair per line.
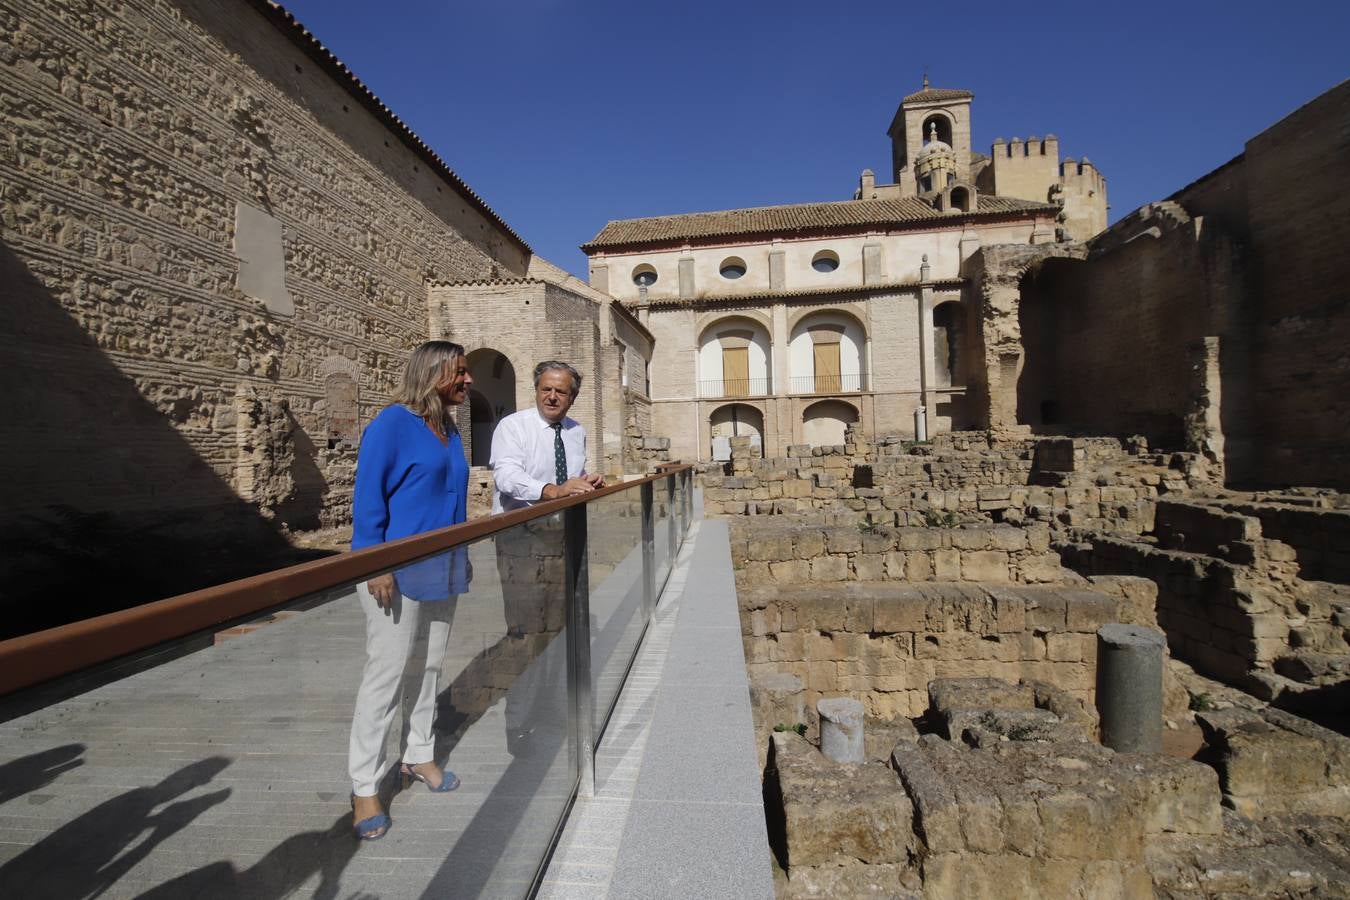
x=405, y=646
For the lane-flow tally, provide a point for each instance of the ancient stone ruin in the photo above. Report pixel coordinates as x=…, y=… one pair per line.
x=957, y=589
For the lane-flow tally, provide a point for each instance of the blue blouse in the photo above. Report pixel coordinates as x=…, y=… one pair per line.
x=408, y=482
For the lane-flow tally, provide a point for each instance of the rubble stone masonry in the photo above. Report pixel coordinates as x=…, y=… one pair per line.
x=173, y=368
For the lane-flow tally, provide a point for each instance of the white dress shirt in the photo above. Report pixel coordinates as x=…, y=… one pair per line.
x=522, y=457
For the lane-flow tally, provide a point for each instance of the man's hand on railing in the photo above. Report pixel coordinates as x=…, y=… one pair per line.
x=582, y=484
x=382, y=588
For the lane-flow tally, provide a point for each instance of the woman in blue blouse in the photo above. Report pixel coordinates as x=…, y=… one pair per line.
x=411, y=477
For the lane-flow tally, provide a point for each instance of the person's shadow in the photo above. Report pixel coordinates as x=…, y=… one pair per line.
x=88, y=855
x=278, y=874
x=30, y=773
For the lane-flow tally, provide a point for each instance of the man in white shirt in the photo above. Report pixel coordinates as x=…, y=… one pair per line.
x=540, y=454
x=537, y=454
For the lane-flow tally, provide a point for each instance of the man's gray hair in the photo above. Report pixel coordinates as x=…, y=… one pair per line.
x=551, y=365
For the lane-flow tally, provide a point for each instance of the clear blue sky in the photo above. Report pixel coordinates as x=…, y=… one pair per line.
x=564, y=115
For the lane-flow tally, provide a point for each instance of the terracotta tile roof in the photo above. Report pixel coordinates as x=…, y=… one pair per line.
x=799, y=217
x=288, y=25
x=928, y=95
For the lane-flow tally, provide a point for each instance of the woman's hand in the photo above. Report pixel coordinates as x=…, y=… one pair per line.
x=382, y=588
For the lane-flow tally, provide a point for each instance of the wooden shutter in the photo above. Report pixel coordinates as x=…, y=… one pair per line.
x=735, y=371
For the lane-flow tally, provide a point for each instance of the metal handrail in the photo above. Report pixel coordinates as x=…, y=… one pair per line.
x=54, y=652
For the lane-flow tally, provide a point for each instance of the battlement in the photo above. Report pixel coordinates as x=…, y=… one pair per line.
x=1032, y=146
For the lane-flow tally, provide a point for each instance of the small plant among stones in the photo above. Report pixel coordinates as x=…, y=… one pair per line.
x=1201, y=702
x=867, y=526
x=800, y=728
x=939, y=518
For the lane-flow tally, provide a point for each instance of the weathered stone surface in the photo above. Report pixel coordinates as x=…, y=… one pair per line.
x=833, y=814
x=1273, y=763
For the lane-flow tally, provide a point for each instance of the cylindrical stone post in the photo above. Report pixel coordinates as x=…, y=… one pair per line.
x=1129, y=687
x=841, y=729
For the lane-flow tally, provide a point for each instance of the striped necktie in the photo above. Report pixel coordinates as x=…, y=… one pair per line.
x=559, y=454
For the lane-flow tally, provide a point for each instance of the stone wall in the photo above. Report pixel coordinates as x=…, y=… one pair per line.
x=958, y=477
x=785, y=551
x=1319, y=537
x=215, y=245
x=1084, y=346
x=1298, y=197
x=883, y=642
x=1210, y=321
x=1232, y=604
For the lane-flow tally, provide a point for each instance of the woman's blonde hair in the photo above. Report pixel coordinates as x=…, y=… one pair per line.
x=428, y=366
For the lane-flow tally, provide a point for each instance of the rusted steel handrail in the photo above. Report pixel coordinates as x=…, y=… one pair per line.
x=43, y=655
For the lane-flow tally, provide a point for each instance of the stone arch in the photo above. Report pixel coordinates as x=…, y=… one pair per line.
x=995, y=365
x=736, y=420
x=735, y=358
x=824, y=422
x=827, y=353
x=946, y=126
x=492, y=398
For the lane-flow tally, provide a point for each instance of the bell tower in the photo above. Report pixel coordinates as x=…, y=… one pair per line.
x=944, y=114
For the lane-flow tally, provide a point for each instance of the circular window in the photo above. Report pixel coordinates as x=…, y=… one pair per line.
x=733, y=267
x=825, y=261
x=644, y=275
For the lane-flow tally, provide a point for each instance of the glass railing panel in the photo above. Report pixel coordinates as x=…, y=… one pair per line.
x=226, y=771
x=663, y=517
x=614, y=565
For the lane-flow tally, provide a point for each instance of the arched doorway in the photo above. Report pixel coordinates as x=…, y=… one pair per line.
x=492, y=397
x=823, y=423
x=735, y=420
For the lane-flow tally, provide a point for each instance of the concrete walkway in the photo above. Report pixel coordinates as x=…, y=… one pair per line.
x=677, y=811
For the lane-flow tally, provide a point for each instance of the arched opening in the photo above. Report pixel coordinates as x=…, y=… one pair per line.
x=961, y=199
x=828, y=354
x=734, y=359
x=948, y=333
x=343, y=429
x=735, y=420
x=492, y=397
x=944, y=128
x=824, y=423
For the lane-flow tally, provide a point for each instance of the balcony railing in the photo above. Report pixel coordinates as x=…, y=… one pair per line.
x=829, y=384
x=734, y=387
x=220, y=719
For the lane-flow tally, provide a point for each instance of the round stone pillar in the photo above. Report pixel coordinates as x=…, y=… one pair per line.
x=841, y=729
x=1129, y=687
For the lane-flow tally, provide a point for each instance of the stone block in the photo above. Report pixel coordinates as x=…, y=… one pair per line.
x=985, y=565
x=919, y=538
x=869, y=567
x=809, y=544
x=1086, y=611
x=1041, y=568
x=947, y=565
x=971, y=538
x=833, y=813
x=918, y=567
x=1274, y=763
x=792, y=571
x=1010, y=539
x=843, y=540
x=829, y=568
x=1046, y=610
